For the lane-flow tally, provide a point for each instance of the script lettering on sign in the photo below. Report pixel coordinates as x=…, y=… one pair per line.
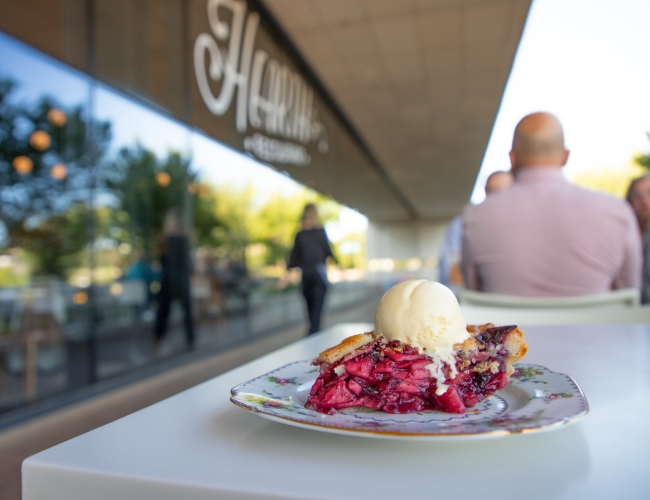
x=271, y=97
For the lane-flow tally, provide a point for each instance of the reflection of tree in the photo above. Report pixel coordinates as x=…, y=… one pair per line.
x=234, y=208
x=43, y=210
x=46, y=212
x=275, y=224
x=147, y=188
x=55, y=242
x=268, y=229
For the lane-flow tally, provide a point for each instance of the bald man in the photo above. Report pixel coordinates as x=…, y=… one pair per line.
x=498, y=180
x=543, y=236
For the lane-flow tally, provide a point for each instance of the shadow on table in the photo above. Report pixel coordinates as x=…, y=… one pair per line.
x=543, y=465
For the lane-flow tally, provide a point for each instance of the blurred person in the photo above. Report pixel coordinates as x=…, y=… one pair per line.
x=638, y=195
x=450, y=252
x=141, y=270
x=544, y=236
x=176, y=268
x=216, y=285
x=310, y=252
x=234, y=278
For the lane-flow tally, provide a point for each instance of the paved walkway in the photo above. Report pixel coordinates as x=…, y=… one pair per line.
x=20, y=442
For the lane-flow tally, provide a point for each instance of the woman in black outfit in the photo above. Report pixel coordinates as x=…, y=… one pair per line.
x=310, y=251
x=175, y=278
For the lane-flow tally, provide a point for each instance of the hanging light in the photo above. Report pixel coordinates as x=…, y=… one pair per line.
x=57, y=117
x=163, y=179
x=40, y=140
x=191, y=188
x=23, y=165
x=59, y=171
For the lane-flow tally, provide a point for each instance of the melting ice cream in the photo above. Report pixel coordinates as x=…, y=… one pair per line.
x=426, y=315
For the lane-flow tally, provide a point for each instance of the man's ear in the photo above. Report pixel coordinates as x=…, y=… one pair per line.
x=565, y=157
x=513, y=160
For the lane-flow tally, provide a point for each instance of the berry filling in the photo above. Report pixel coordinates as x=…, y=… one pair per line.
x=395, y=377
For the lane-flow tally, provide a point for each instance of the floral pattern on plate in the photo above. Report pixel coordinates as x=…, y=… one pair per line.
x=537, y=399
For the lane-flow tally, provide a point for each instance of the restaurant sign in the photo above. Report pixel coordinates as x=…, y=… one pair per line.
x=274, y=106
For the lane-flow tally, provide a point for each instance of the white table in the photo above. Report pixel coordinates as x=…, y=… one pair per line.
x=198, y=445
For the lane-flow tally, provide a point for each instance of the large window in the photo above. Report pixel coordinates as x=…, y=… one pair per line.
x=47, y=176
x=127, y=237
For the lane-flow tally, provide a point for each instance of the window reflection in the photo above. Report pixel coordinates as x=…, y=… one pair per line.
x=46, y=179
x=143, y=208
x=126, y=236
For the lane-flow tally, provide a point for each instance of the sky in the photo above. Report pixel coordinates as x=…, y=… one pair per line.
x=40, y=75
x=586, y=61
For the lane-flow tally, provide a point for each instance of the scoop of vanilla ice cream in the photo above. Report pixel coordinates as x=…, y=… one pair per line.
x=426, y=315
x=421, y=313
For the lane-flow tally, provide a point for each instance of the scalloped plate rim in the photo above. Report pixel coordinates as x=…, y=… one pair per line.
x=236, y=393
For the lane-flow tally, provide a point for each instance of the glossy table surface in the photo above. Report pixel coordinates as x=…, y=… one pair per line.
x=198, y=445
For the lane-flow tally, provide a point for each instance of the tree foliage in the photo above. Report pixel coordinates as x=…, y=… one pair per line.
x=41, y=212
x=614, y=181
x=275, y=224
x=121, y=199
x=643, y=160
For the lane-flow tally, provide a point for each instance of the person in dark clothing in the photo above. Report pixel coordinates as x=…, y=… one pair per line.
x=310, y=252
x=175, y=278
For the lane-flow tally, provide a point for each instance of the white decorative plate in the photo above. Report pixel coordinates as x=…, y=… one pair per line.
x=536, y=399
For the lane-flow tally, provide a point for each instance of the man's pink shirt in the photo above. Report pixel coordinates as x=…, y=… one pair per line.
x=543, y=236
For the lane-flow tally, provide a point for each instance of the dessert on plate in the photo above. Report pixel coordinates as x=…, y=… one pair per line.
x=421, y=356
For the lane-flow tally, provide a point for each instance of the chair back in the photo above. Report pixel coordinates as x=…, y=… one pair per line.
x=628, y=297
x=479, y=315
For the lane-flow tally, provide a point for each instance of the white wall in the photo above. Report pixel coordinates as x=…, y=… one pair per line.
x=405, y=239
x=416, y=242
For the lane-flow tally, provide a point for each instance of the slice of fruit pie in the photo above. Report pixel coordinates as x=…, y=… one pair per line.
x=421, y=356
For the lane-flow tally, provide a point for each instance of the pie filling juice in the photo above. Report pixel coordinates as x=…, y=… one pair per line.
x=395, y=378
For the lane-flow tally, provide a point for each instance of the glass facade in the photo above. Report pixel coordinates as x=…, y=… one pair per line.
x=120, y=222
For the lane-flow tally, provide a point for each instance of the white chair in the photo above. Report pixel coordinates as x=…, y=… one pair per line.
x=628, y=297
x=478, y=315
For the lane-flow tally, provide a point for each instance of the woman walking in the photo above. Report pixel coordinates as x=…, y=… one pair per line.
x=310, y=252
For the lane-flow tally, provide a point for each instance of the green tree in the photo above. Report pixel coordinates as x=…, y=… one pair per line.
x=643, y=160
x=147, y=188
x=614, y=181
x=277, y=221
x=260, y=233
x=43, y=208
x=234, y=209
x=54, y=243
